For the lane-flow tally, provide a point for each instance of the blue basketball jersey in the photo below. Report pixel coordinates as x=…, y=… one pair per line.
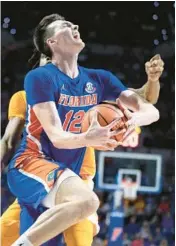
x=73, y=98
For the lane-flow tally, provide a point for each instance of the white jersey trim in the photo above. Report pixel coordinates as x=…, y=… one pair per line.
x=29, y=135
x=36, y=178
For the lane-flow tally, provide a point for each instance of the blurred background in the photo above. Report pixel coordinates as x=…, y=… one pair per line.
x=120, y=37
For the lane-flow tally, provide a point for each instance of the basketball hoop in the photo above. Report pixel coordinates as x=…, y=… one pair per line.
x=129, y=189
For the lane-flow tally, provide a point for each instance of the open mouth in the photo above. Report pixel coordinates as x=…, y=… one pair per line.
x=76, y=36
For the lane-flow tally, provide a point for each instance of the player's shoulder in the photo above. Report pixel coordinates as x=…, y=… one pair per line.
x=36, y=72
x=18, y=98
x=39, y=72
x=19, y=94
x=96, y=72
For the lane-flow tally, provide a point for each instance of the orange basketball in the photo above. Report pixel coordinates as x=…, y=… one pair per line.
x=106, y=113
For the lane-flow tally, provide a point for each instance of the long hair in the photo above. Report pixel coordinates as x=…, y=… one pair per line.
x=44, y=60
x=34, y=59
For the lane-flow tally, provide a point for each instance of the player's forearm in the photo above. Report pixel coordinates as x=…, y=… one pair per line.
x=145, y=116
x=152, y=90
x=6, y=152
x=67, y=140
x=144, y=112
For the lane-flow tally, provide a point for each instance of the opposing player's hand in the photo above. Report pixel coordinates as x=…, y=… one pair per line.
x=99, y=136
x=154, y=68
x=130, y=126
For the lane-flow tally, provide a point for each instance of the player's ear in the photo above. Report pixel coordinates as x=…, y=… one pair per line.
x=50, y=42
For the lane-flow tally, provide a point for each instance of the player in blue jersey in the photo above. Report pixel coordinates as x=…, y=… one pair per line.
x=45, y=167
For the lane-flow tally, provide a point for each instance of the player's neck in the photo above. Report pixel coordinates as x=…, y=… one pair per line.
x=67, y=64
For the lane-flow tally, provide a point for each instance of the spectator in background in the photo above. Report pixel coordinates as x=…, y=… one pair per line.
x=164, y=243
x=168, y=226
x=167, y=222
x=149, y=241
x=150, y=206
x=103, y=227
x=145, y=230
x=139, y=205
x=126, y=240
x=155, y=222
x=97, y=242
x=138, y=241
x=129, y=208
x=158, y=235
x=132, y=228
x=163, y=206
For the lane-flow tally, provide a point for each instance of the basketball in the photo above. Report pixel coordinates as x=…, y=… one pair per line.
x=106, y=113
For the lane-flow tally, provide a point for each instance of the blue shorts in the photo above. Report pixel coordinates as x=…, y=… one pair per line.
x=30, y=183
x=33, y=180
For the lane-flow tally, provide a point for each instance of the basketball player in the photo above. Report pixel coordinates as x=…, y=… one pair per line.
x=79, y=234
x=17, y=111
x=55, y=94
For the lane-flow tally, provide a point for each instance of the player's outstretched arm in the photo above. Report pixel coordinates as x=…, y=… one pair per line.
x=95, y=136
x=13, y=131
x=150, y=91
x=143, y=114
x=10, y=139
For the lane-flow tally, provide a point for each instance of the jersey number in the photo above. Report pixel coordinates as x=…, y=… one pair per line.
x=116, y=233
x=72, y=122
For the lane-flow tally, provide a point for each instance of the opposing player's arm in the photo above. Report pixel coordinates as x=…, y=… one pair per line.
x=11, y=138
x=13, y=131
x=150, y=91
x=144, y=112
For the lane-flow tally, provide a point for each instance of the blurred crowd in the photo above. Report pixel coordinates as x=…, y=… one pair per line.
x=149, y=220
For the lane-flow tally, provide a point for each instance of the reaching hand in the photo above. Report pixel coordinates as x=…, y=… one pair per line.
x=99, y=136
x=129, y=124
x=154, y=68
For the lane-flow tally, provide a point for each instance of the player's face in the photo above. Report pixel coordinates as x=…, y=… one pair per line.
x=66, y=37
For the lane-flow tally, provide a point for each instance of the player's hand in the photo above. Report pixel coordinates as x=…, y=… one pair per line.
x=154, y=68
x=99, y=136
x=129, y=123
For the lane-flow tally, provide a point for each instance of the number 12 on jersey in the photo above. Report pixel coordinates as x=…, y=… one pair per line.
x=72, y=122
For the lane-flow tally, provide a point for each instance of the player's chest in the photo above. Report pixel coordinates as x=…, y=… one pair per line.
x=84, y=94
x=74, y=101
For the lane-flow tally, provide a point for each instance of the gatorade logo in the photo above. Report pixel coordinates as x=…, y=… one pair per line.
x=116, y=233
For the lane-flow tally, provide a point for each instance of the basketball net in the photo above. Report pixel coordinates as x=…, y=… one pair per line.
x=129, y=189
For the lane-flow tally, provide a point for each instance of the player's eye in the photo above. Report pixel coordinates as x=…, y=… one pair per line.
x=67, y=24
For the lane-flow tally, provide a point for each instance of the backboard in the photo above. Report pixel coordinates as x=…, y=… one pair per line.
x=111, y=166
